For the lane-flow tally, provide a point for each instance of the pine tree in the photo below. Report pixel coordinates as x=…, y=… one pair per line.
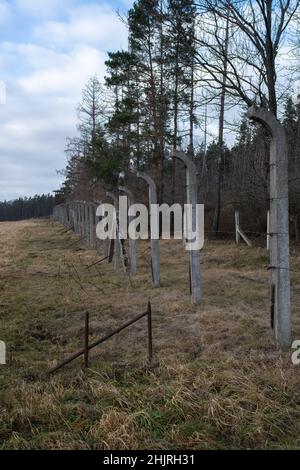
x=146, y=22
x=290, y=123
x=180, y=54
x=123, y=123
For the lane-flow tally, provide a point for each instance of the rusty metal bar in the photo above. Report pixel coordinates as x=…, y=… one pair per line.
x=97, y=262
x=111, y=250
x=150, y=340
x=86, y=340
x=105, y=338
x=77, y=241
x=68, y=230
x=273, y=291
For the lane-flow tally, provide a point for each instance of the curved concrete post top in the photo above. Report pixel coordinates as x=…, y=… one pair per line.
x=97, y=203
x=113, y=197
x=129, y=193
x=279, y=224
x=151, y=184
x=186, y=159
x=147, y=178
x=267, y=119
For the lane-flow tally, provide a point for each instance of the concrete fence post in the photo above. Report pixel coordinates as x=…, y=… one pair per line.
x=132, y=243
x=279, y=225
x=106, y=242
x=93, y=225
x=239, y=233
x=192, y=198
x=237, y=224
x=77, y=216
x=74, y=216
x=97, y=241
x=268, y=231
x=117, y=253
x=67, y=214
x=154, y=223
x=74, y=206
x=80, y=218
x=91, y=222
x=71, y=221
x=66, y=218
x=86, y=223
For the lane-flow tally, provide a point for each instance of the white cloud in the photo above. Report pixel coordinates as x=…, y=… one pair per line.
x=93, y=25
x=42, y=8
x=44, y=78
x=66, y=74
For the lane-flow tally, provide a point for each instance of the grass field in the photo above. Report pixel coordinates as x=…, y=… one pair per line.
x=217, y=380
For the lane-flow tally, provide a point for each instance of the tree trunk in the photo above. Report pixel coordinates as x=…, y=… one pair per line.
x=162, y=110
x=270, y=60
x=217, y=212
x=192, y=106
x=175, y=134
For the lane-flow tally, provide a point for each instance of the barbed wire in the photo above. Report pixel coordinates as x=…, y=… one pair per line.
x=269, y=268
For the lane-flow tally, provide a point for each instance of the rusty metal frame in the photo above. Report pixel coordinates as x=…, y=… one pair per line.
x=87, y=347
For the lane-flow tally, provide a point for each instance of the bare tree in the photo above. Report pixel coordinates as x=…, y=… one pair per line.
x=217, y=213
x=261, y=31
x=91, y=110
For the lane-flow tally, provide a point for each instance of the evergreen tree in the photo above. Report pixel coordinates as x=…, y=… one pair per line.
x=123, y=123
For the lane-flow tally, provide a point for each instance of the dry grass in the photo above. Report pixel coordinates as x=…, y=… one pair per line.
x=218, y=380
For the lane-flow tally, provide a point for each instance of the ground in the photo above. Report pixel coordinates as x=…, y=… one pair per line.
x=217, y=380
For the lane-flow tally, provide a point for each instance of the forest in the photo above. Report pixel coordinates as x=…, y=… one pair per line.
x=185, y=81
x=26, y=208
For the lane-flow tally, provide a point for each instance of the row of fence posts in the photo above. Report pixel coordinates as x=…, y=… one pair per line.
x=81, y=217
x=278, y=229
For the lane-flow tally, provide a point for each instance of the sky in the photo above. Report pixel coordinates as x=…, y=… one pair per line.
x=48, y=50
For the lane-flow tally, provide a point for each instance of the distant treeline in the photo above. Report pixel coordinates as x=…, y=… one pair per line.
x=26, y=208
